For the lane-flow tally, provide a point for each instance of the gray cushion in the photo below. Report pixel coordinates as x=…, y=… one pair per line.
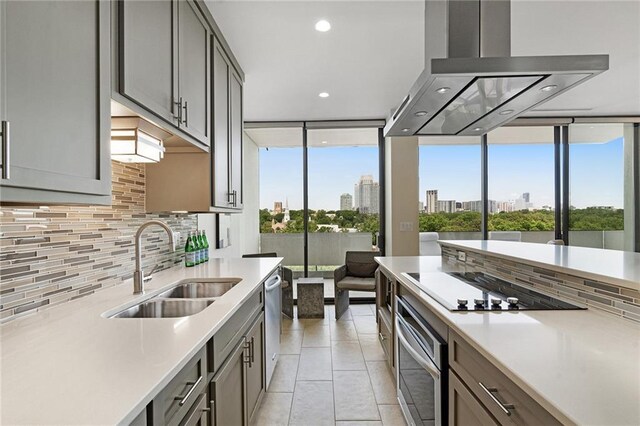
x=357, y=283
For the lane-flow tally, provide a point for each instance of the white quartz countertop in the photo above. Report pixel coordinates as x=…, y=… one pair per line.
x=611, y=266
x=71, y=365
x=582, y=366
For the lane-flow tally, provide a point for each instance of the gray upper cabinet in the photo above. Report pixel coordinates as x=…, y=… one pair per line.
x=54, y=102
x=147, y=67
x=221, y=70
x=193, y=71
x=164, y=63
x=227, y=130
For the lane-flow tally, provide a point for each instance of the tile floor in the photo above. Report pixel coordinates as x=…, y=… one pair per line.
x=331, y=373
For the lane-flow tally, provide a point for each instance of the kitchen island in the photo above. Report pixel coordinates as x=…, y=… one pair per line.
x=73, y=365
x=581, y=366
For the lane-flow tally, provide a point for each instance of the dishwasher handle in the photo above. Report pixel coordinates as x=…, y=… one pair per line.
x=276, y=283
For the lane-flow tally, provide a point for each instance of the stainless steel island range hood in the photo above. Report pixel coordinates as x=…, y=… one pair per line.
x=471, y=84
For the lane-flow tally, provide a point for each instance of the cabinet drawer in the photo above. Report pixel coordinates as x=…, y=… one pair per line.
x=172, y=404
x=197, y=416
x=509, y=404
x=226, y=339
x=464, y=408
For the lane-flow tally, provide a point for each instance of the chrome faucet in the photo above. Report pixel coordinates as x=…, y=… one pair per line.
x=138, y=275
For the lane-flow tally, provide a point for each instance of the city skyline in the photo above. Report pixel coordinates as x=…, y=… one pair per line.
x=596, y=173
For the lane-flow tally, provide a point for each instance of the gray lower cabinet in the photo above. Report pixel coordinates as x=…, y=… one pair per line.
x=464, y=408
x=164, y=63
x=175, y=403
x=237, y=387
x=55, y=102
x=227, y=131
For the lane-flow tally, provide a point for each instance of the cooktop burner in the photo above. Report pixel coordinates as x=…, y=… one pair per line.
x=476, y=291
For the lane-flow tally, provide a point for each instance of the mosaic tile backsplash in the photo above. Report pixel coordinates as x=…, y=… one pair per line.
x=605, y=297
x=51, y=255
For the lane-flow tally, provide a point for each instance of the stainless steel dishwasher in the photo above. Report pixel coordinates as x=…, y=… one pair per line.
x=272, y=322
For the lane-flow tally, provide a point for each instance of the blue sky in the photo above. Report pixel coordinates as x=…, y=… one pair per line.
x=596, y=173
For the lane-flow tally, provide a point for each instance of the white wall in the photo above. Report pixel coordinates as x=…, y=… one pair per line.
x=245, y=236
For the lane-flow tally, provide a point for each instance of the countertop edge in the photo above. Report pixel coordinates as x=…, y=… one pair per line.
x=632, y=285
x=552, y=409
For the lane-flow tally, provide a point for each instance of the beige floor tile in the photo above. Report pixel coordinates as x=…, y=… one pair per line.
x=274, y=410
x=343, y=330
x=316, y=337
x=360, y=310
x=313, y=322
x=291, y=324
x=371, y=347
x=291, y=341
x=365, y=324
x=346, y=355
x=383, y=383
x=373, y=309
x=353, y=395
x=315, y=364
x=312, y=404
x=284, y=376
x=391, y=415
x=358, y=423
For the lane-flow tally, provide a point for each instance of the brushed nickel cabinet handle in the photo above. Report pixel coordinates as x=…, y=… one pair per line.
x=194, y=385
x=504, y=407
x=179, y=105
x=6, y=143
x=186, y=113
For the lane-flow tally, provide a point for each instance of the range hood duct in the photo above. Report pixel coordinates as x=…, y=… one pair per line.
x=471, y=84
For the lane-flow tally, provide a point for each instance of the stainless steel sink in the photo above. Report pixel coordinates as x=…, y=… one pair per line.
x=200, y=289
x=163, y=308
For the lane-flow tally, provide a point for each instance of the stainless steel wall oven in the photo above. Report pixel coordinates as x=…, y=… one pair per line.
x=421, y=366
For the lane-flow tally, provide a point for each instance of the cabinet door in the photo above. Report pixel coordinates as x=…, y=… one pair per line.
x=147, y=67
x=55, y=94
x=193, y=70
x=235, y=158
x=255, y=367
x=221, y=74
x=227, y=390
x=464, y=408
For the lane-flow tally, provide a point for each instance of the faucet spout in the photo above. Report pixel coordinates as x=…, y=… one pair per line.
x=138, y=274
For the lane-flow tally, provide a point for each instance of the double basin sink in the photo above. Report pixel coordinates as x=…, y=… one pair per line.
x=184, y=299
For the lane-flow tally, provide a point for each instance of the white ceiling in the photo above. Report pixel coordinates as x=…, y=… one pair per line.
x=374, y=53
x=291, y=137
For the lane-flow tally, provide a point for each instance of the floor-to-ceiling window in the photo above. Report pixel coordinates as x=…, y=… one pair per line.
x=344, y=198
x=597, y=185
x=450, y=201
x=281, y=192
x=343, y=194
x=521, y=197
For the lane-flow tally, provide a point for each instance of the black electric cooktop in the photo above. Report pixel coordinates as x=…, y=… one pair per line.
x=476, y=291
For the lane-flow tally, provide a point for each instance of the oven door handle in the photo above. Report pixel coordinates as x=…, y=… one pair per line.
x=424, y=362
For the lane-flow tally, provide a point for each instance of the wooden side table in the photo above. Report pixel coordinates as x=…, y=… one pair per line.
x=311, y=297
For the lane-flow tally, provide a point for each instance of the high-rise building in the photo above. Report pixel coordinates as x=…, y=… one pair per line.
x=420, y=206
x=346, y=202
x=277, y=207
x=431, y=205
x=526, y=197
x=367, y=195
x=446, y=206
x=523, y=203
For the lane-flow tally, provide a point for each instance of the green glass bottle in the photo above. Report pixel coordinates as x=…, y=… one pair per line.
x=198, y=243
x=190, y=251
x=205, y=245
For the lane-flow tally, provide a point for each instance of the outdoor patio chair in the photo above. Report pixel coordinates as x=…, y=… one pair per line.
x=357, y=274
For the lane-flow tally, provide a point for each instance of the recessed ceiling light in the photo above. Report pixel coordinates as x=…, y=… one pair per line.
x=478, y=129
x=420, y=113
x=405, y=130
x=506, y=112
x=323, y=26
x=548, y=88
x=443, y=90
x=323, y=95
x=324, y=142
